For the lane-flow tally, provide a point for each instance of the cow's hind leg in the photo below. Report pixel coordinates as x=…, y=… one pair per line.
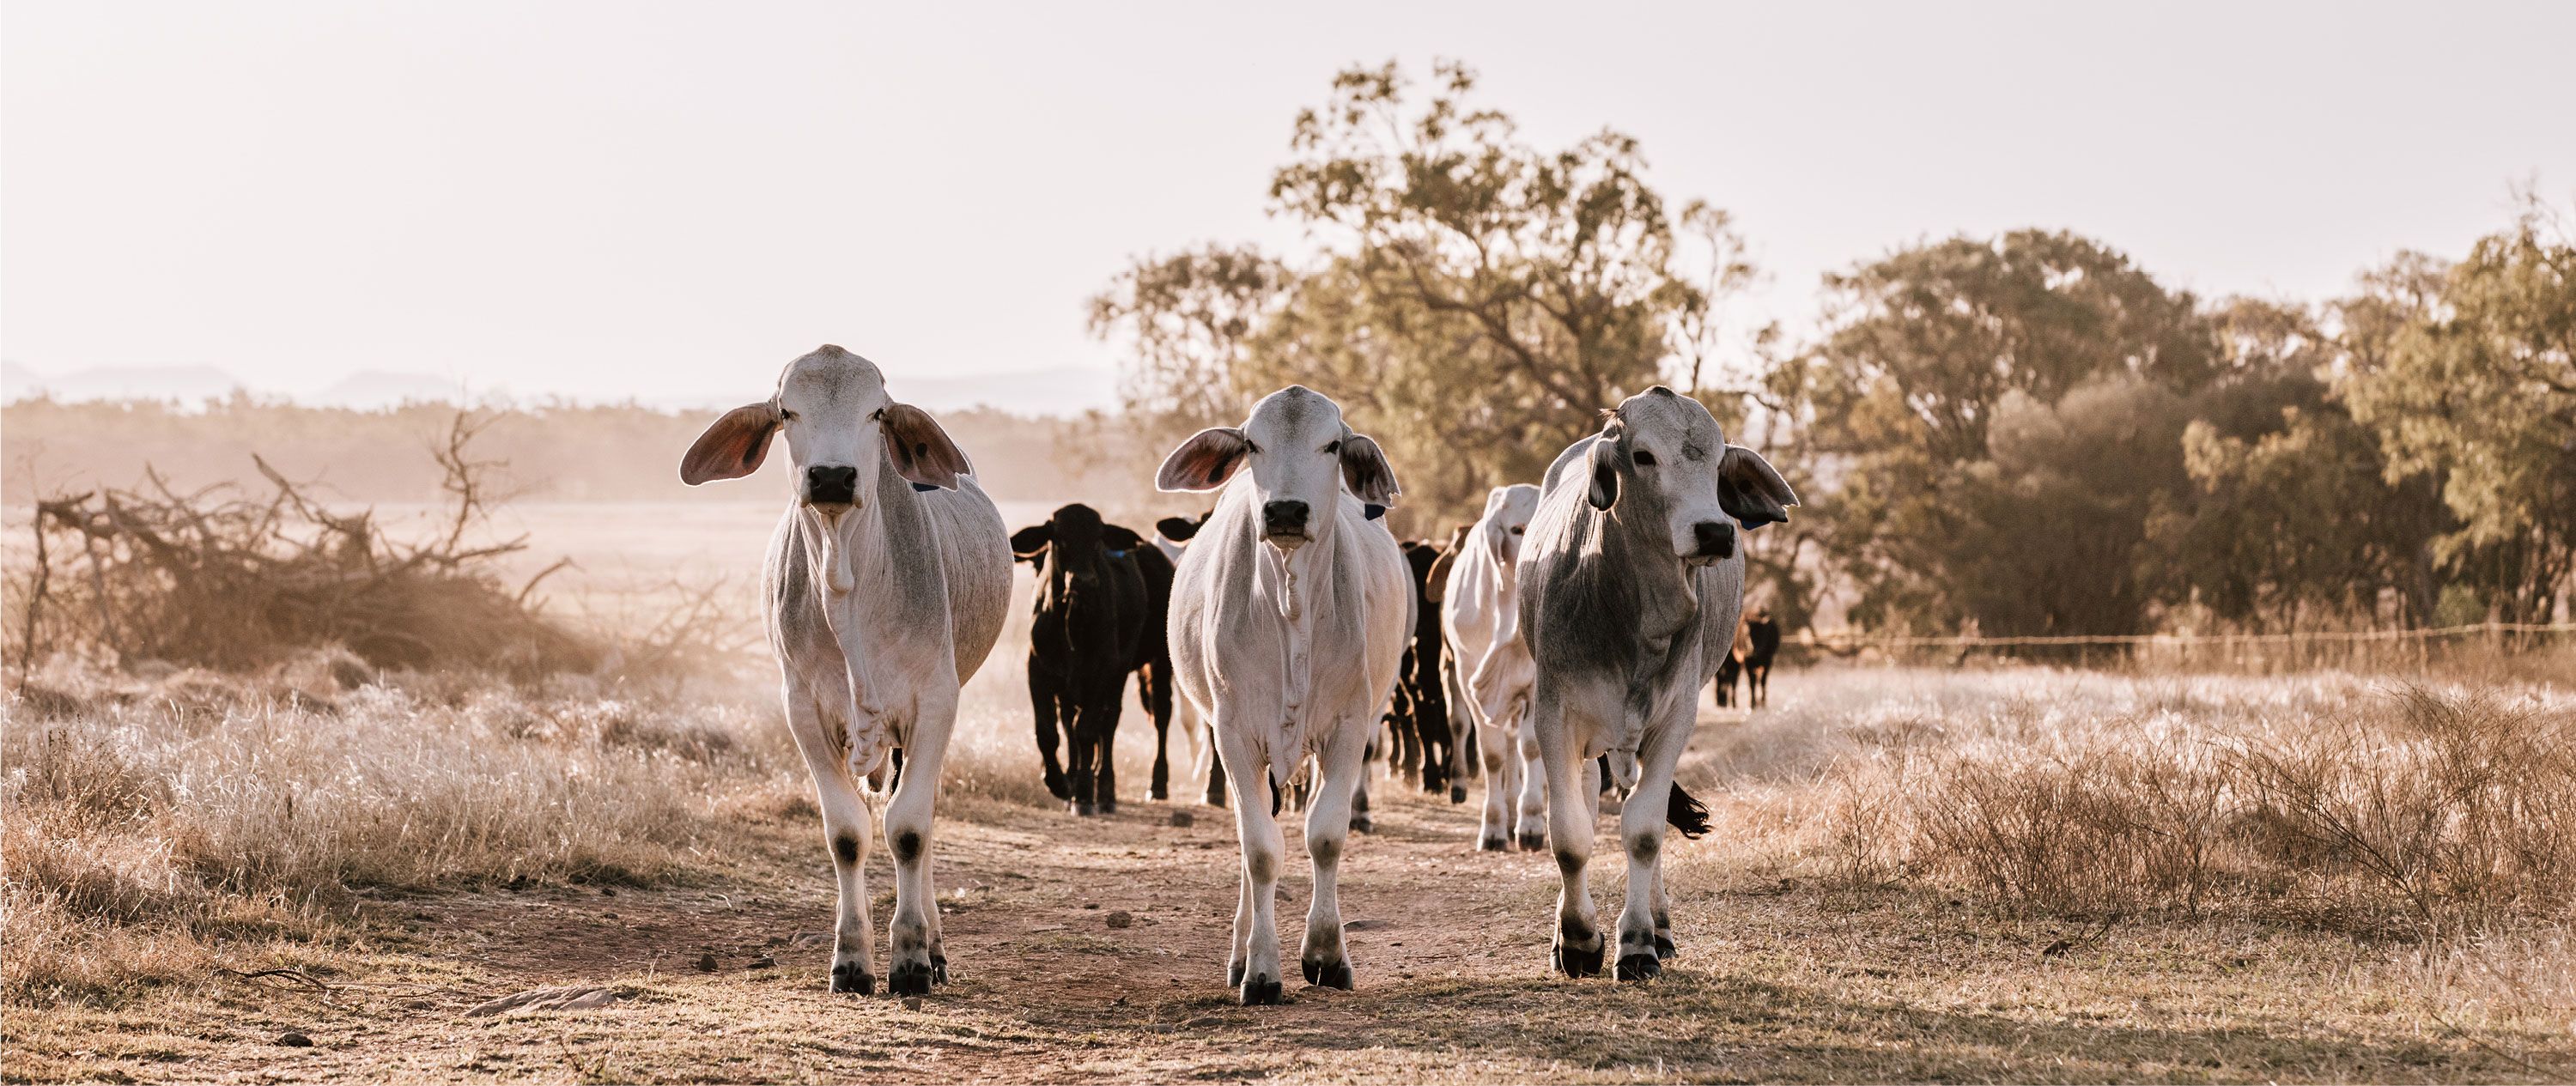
x=1255, y=969
x=1322, y=956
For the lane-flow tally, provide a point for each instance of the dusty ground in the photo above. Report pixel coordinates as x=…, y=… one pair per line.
x=1774, y=982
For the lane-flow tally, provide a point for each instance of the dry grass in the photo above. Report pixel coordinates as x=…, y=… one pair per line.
x=2326, y=799
x=146, y=823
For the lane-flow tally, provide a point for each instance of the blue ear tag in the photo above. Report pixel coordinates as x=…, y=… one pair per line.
x=1372, y=510
x=923, y=488
x=1118, y=554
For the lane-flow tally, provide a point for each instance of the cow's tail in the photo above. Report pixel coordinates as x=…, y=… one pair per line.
x=1687, y=815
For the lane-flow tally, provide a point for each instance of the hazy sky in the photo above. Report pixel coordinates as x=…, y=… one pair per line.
x=612, y=199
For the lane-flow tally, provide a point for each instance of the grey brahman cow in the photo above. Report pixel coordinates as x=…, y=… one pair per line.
x=1290, y=613
x=1631, y=581
x=885, y=588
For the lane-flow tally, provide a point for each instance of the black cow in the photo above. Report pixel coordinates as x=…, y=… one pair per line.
x=1425, y=746
x=1762, y=643
x=1097, y=617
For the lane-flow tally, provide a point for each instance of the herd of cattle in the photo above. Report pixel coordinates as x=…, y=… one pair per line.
x=1560, y=641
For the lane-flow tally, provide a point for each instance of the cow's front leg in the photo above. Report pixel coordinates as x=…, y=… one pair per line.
x=1322, y=956
x=816, y=714
x=1502, y=781
x=1154, y=685
x=1531, y=825
x=1576, y=949
x=1645, y=928
x=919, y=959
x=1255, y=969
x=1045, y=697
x=1104, y=748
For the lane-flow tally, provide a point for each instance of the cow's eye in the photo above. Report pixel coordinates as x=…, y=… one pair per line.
x=1645, y=459
x=1249, y=447
x=1333, y=447
x=786, y=415
x=1518, y=531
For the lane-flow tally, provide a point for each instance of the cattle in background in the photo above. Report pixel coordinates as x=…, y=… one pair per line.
x=1098, y=615
x=1289, y=618
x=1730, y=667
x=1632, y=584
x=1490, y=669
x=1760, y=645
x=886, y=585
x=1172, y=536
x=1426, y=740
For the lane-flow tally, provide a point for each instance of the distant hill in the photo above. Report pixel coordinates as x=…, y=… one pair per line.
x=1062, y=391
x=184, y=383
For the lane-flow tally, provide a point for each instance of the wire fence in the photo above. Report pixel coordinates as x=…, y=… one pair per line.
x=2484, y=645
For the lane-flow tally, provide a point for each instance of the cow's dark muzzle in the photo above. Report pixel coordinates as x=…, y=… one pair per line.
x=831, y=485
x=1716, y=540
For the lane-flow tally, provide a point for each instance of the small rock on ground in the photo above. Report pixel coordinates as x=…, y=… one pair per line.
x=1119, y=919
x=707, y=963
x=294, y=1040
x=1183, y=819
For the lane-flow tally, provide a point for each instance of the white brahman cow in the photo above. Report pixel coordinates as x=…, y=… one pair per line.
x=1490, y=669
x=885, y=587
x=1289, y=617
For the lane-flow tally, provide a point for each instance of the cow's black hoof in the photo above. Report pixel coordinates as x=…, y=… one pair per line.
x=1457, y=793
x=1081, y=809
x=909, y=979
x=1533, y=842
x=1055, y=785
x=938, y=969
x=1328, y=974
x=1664, y=947
x=1109, y=806
x=1158, y=794
x=1362, y=823
x=1263, y=993
x=1576, y=963
x=1639, y=966
x=1494, y=844
x=853, y=978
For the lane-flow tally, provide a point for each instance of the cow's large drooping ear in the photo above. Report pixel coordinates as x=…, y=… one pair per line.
x=1603, y=465
x=1029, y=544
x=1177, y=529
x=1205, y=461
x=1365, y=470
x=1491, y=530
x=1117, y=538
x=921, y=450
x=1750, y=491
x=733, y=447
